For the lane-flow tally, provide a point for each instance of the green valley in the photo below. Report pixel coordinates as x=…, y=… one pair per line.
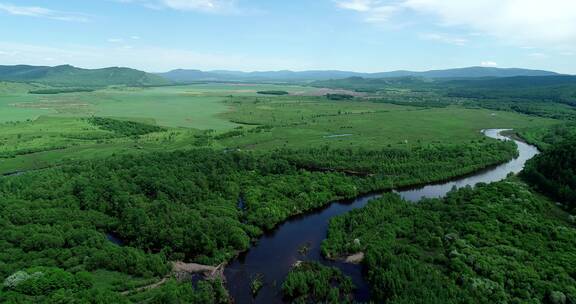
x=148, y=194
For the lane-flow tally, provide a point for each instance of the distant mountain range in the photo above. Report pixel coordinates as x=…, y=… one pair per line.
x=67, y=75
x=183, y=76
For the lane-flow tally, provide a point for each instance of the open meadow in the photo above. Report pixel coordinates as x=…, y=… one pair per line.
x=42, y=130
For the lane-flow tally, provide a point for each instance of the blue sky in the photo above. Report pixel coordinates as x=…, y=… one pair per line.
x=357, y=35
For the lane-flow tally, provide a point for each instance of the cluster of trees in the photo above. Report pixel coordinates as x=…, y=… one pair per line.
x=497, y=243
x=49, y=246
x=124, y=127
x=273, y=92
x=311, y=282
x=394, y=167
x=335, y=96
x=30, y=150
x=554, y=172
x=230, y=134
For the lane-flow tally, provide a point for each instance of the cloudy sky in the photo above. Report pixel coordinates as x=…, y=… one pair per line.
x=358, y=35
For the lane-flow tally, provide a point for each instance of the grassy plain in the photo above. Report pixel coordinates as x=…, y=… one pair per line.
x=304, y=123
x=37, y=131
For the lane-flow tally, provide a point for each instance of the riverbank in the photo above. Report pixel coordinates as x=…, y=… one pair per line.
x=277, y=250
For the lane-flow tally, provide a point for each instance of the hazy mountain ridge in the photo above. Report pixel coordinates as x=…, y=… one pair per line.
x=67, y=75
x=182, y=75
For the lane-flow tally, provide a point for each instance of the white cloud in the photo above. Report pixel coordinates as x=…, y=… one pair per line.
x=550, y=23
x=356, y=5
x=374, y=11
x=489, y=64
x=205, y=6
x=115, y=40
x=35, y=11
x=201, y=5
x=445, y=38
x=538, y=55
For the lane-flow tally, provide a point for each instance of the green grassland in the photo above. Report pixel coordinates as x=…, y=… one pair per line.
x=306, y=122
x=38, y=131
x=191, y=106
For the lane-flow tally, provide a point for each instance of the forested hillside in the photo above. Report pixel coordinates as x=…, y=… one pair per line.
x=66, y=75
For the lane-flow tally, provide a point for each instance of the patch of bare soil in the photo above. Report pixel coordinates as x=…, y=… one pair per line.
x=181, y=270
x=355, y=258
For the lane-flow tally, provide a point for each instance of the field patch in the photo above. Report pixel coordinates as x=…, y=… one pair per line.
x=370, y=125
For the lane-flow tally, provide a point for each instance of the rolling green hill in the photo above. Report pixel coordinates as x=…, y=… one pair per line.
x=66, y=75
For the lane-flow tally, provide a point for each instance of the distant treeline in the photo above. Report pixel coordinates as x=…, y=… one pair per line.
x=420, y=104
x=370, y=85
x=61, y=91
x=537, y=95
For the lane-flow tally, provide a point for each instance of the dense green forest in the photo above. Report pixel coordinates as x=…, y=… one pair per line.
x=311, y=282
x=546, y=138
x=398, y=167
x=182, y=206
x=560, y=89
x=497, y=243
x=553, y=172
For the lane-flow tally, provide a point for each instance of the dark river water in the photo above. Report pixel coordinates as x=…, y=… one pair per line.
x=278, y=250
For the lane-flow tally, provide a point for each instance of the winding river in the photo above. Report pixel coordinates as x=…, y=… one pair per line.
x=278, y=250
